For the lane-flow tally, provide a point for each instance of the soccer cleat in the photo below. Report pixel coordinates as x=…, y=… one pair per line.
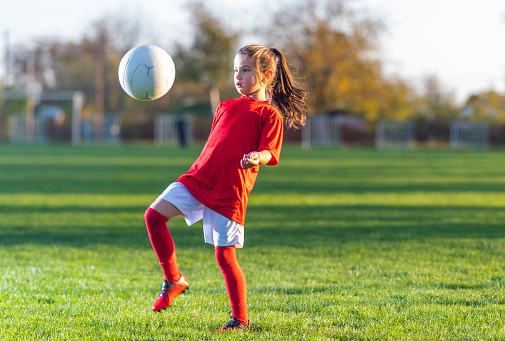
x=232, y=324
x=169, y=291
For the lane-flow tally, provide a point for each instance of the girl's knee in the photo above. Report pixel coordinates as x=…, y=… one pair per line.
x=225, y=255
x=153, y=218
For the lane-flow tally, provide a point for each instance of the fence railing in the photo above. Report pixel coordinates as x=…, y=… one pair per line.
x=469, y=135
x=326, y=131
x=394, y=134
x=40, y=132
x=19, y=130
x=321, y=131
x=173, y=129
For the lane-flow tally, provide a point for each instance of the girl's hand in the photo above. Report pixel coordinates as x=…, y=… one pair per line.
x=250, y=160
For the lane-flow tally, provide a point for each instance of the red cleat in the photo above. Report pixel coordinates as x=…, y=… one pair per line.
x=169, y=291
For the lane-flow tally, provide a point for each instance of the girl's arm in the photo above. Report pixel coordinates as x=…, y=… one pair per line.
x=254, y=159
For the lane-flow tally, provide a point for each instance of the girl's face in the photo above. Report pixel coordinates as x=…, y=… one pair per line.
x=247, y=80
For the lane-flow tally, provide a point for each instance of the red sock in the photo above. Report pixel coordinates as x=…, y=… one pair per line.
x=235, y=282
x=162, y=243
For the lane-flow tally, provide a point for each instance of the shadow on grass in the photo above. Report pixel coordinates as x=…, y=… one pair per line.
x=73, y=209
x=134, y=238
x=89, y=179
x=153, y=182
x=334, y=187
x=293, y=226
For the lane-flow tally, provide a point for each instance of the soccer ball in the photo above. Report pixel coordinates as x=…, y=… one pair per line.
x=146, y=72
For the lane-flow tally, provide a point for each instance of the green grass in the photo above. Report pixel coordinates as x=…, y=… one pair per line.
x=340, y=245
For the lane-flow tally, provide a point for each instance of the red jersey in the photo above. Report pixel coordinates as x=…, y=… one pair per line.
x=216, y=178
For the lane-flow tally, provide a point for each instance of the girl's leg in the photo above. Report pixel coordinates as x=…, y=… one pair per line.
x=175, y=282
x=156, y=217
x=235, y=282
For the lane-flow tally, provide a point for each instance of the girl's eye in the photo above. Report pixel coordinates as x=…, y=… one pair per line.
x=242, y=70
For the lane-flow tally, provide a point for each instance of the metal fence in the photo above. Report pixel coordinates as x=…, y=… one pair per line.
x=94, y=131
x=40, y=130
x=21, y=132
x=469, y=135
x=173, y=129
x=394, y=134
x=321, y=131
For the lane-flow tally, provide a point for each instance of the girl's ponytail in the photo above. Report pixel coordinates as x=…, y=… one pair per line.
x=286, y=95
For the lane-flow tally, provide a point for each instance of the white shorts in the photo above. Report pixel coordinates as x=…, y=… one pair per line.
x=217, y=229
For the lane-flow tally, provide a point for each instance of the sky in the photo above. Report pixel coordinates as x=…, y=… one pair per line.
x=462, y=43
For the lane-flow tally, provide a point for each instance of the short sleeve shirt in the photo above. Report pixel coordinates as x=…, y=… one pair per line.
x=216, y=178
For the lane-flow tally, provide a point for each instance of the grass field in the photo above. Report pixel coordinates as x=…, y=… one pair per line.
x=340, y=245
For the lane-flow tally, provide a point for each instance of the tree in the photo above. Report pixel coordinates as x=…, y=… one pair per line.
x=435, y=102
x=209, y=58
x=331, y=46
x=487, y=105
x=335, y=48
x=89, y=64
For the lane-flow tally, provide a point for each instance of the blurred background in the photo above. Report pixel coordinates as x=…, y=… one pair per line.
x=390, y=74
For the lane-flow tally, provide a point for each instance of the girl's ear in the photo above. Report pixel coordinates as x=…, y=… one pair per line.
x=267, y=76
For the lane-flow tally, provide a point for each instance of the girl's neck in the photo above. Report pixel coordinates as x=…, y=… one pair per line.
x=258, y=95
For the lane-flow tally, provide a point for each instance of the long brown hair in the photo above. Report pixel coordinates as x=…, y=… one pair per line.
x=281, y=89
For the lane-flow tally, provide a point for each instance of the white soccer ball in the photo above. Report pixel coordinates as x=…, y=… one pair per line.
x=146, y=72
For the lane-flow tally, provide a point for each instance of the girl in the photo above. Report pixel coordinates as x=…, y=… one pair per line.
x=246, y=133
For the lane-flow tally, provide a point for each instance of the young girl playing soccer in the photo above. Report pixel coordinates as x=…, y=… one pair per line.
x=246, y=133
